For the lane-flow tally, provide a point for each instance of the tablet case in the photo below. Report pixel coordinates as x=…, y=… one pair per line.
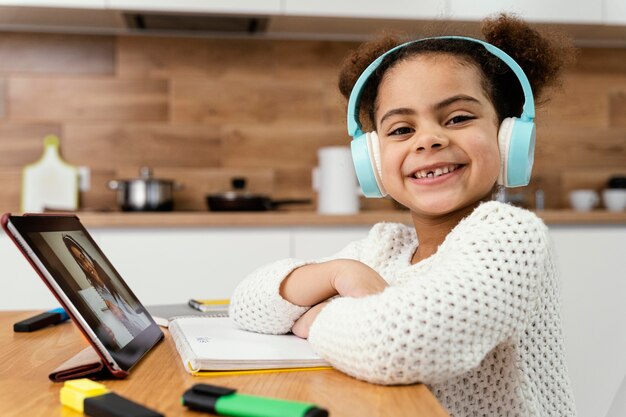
x=85, y=363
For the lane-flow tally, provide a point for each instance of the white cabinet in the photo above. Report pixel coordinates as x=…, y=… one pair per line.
x=591, y=262
x=73, y=4
x=20, y=286
x=199, y=6
x=172, y=265
x=391, y=9
x=557, y=11
x=615, y=12
x=316, y=242
x=161, y=266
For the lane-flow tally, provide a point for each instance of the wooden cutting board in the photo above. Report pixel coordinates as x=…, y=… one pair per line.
x=50, y=183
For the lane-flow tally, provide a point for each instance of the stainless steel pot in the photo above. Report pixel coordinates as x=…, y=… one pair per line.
x=145, y=193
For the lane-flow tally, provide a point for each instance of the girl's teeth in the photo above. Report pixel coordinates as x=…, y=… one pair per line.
x=436, y=173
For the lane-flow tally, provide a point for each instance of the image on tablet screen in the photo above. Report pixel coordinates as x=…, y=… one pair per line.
x=97, y=285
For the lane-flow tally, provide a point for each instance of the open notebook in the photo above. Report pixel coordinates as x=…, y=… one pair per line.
x=214, y=346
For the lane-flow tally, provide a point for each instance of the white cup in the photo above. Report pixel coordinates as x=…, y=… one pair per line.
x=583, y=200
x=614, y=199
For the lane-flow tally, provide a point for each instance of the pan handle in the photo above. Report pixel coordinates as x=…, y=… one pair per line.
x=291, y=201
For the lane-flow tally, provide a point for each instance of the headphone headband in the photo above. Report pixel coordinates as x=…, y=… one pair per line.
x=354, y=126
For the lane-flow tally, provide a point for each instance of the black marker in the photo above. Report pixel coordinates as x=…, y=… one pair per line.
x=56, y=316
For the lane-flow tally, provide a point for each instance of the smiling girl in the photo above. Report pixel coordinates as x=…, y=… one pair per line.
x=467, y=299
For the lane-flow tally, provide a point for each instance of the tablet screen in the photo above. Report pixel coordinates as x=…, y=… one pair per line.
x=92, y=284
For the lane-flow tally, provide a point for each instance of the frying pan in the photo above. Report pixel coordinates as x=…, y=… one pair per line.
x=240, y=200
x=232, y=201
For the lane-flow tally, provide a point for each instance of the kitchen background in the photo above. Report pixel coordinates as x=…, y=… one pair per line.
x=201, y=111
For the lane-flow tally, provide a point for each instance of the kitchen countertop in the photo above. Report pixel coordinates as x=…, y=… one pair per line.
x=306, y=218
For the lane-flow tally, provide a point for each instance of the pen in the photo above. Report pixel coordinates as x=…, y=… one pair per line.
x=209, y=305
x=40, y=321
x=226, y=402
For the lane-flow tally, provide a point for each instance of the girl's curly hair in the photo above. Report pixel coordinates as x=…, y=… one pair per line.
x=541, y=56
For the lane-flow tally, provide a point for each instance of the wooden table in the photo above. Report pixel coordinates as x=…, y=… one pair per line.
x=159, y=380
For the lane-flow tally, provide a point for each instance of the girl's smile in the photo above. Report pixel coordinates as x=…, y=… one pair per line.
x=438, y=135
x=436, y=173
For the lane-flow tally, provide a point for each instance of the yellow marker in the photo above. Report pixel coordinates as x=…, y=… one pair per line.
x=93, y=399
x=74, y=392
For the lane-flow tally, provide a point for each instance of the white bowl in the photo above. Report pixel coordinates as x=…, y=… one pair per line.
x=583, y=200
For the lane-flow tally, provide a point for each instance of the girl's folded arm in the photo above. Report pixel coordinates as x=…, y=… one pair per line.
x=256, y=303
x=441, y=323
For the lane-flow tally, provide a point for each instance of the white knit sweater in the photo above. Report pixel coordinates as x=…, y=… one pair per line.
x=478, y=321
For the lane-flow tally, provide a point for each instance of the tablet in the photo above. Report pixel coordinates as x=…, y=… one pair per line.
x=83, y=280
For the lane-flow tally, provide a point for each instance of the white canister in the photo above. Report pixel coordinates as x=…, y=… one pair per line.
x=335, y=181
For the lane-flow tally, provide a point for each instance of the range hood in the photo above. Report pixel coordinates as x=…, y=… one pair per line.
x=200, y=24
x=271, y=25
x=173, y=23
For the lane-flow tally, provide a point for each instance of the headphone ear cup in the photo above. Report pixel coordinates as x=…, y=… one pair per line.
x=516, y=140
x=365, y=165
x=376, y=161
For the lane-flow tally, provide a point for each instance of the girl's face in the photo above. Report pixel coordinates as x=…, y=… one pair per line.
x=438, y=135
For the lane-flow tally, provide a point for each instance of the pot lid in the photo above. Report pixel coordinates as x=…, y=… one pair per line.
x=238, y=191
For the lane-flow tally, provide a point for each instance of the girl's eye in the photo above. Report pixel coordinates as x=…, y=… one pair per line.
x=401, y=131
x=460, y=119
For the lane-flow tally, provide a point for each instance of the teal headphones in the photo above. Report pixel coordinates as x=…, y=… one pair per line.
x=516, y=136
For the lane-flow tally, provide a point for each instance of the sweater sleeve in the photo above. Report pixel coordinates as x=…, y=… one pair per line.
x=480, y=291
x=256, y=303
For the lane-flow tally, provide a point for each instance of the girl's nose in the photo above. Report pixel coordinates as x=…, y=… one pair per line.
x=430, y=141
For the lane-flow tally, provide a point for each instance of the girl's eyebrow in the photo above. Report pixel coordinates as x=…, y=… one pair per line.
x=402, y=111
x=454, y=99
x=442, y=104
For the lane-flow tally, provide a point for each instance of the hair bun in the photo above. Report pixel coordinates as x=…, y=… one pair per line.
x=542, y=56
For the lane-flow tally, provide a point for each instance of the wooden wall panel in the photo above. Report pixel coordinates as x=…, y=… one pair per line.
x=583, y=102
x=244, y=101
x=95, y=99
x=305, y=61
x=570, y=147
x=617, y=105
x=3, y=91
x=22, y=144
x=203, y=110
x=279, y=146
x=11, y=180
x=56, y=53
x=208, y=58
x=105, y=145
x=601, y=61
x=139, y=56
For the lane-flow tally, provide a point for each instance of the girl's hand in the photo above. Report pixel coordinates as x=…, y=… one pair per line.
x=303, y=324
x=355, y=279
